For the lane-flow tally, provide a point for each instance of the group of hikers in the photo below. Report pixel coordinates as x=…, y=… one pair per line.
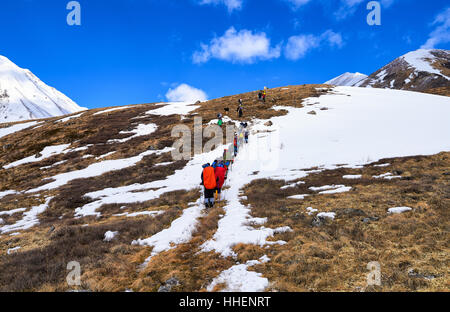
x=214, y=175
x=240, y=109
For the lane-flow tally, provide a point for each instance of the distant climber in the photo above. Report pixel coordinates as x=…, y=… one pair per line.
x=260, y=96
x=240, y=111
x=235, y=143
x=246, y=134
x=220, y=120
x=209, y=181
x=264, y=95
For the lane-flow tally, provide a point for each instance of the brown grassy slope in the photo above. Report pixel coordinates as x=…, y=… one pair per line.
x=439, y=91
x=334, y=256
x=112, y=266
x=40, y=264
x=253, y=108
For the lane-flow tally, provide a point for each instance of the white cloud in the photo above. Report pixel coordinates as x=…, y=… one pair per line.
x=387, y=3
x=298, y=46
x=347, y=8
x=297, y=3
x=238, y=47
x=230, y=4
x=441, y=34
x=186, y=93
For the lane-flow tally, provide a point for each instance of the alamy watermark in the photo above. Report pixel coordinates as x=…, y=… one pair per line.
x=264, y=147
x=74, y=16
x=74, y=276
x=374, y=16
x=374, y=275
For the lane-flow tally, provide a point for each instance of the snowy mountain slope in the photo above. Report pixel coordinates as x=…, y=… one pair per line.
x=24, y=96
x=348, y=79
x=136, y=189
x=417, y=70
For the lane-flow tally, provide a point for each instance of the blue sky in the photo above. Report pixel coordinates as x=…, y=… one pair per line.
x=134, y=51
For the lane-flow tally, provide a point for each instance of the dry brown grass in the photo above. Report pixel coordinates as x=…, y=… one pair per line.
x=253, y=108
x=333, y=257
x=439, y=91
x=330, y=257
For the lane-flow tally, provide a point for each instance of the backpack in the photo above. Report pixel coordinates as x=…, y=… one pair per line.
x=209, y=178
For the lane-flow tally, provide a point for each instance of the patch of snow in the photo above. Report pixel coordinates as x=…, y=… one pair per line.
x=327, y=215
x=292, y=185
x=397, y=210
x=179, y=232
x=29, y=219
x=112, y=110
x=173, y=108
x=105, y=155
x=6, y=193
x=54, y=165
x=95, y=170
x=69, y=118
x=324, y=188
x=16, y=128
x=311, y=210
x=239, y=279
x=302, y=196
x=141, y=130
x=387, y=176
x=138, y=214
x=11, y=212
x=341, y=189
x=352, y=177
x=164, y=164
x=12, y=250
x=47, y=152
x=109, y=236
x=78, y=149
x=382, y=165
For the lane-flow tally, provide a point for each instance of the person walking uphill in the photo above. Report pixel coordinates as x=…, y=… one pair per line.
x=220, y=172
x=209, y=181
x=240, y=111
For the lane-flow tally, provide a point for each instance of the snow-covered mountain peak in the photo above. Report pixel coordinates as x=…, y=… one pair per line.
x=422, y=60
x=24, y=96
x=418, y=70
x=348, y=79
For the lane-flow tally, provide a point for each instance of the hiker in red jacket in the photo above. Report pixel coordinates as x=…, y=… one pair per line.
x=220, y=172
x=209, y=181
